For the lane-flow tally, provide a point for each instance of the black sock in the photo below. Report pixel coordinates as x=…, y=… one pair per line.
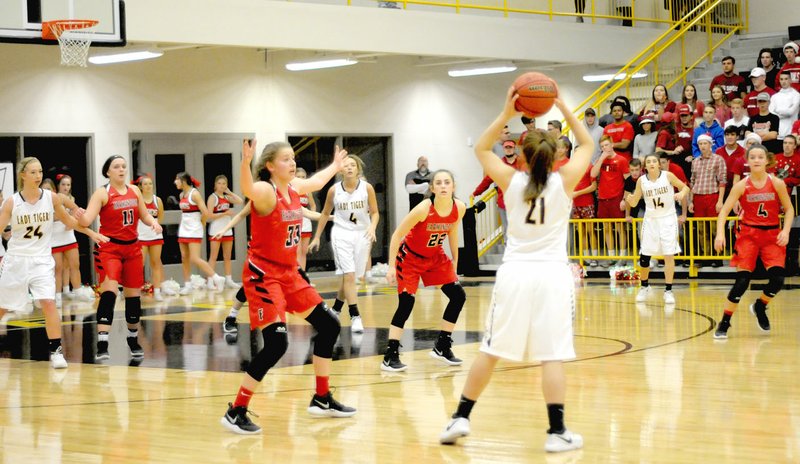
x=338, y=305
x=726, y=317
x=555, y=413
x=759, y=304
x=464, y=407
x=645, y=283
x=668, y=287
x=394, y=346
x=54, y=343
x=353, y=310
x=444, y=338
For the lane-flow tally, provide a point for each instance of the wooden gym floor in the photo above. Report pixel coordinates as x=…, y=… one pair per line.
x=650, y=385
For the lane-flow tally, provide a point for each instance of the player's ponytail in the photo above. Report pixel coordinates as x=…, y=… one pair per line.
x=539, y=149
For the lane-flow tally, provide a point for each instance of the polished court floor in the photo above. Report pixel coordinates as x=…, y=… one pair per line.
x=650, y=385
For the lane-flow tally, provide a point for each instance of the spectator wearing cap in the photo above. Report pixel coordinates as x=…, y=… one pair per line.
x=530, y=125
x=766, y=61
x=740, y=168
x=620, y=131
x=732, y=83
x=792, y=66
x=731, y=152
x=510, y=158
x=785, y=104
x=595, y=131
x=684, y=134
x=765, y=124
x=738, y=120
x=759, y=79
x=709, y=126
x=707, y=183
x=645, y=143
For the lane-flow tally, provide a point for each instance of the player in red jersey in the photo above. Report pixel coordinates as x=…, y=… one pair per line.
x=272, y=283
x=415, y=251
x=119, y=261
x=761, y=197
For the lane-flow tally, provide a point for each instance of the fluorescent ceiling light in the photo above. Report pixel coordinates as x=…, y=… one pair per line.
x=126, y=55
x=321, y=64
x=609, y=76
x=481, y=69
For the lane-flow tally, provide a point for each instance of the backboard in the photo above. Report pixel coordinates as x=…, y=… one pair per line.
x=21, y=20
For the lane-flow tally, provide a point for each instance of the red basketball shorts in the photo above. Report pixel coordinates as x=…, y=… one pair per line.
x=752, y=243
x=434, y=270
x=122, y=263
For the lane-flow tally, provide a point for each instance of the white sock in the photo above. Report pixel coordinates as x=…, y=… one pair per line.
x=594, y=252
x=156, y=291
x=65, y=289
x=612, y=253
x=133, y=333
x=102, y=337
x=234, y=312
x=623, y=252
x=229, y=278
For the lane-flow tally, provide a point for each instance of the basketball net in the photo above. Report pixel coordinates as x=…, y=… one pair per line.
x=74, y=46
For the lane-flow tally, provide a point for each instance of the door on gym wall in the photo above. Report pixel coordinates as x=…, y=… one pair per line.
x=204, y=156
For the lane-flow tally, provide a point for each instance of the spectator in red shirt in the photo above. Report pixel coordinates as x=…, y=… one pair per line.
x=657, y=106
x=620, y=131
x=787, y=164
x=611, y=170
x=731, y=152
x=722, y=110
x=791, y=66
x=796, y=128
x=510, y=158
x=732, y=83
x=583, y=208
x=759, y=79
x=689, y=97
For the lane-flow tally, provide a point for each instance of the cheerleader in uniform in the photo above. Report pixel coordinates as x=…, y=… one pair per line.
x=190, y=233
x=220, y=204
x=152, y=241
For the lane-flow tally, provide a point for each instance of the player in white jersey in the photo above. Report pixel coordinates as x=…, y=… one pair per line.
x=354, y=221
x=660, y=223
x=28, y=264
x=533, y=305
x=220, y=209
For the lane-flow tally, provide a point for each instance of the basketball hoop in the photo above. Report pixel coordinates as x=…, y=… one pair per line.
x=74, y=46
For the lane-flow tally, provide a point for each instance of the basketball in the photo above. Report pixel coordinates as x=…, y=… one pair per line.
x=536, y=94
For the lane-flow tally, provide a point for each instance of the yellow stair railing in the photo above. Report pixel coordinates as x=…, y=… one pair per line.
x=669, y=58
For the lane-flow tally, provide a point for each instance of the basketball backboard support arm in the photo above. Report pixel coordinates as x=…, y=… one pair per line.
x=21, y=20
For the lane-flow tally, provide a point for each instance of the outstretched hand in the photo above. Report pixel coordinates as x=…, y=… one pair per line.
x=248, y=150
x=339, y=155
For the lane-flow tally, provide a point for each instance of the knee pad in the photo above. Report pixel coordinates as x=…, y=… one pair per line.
x=739, y=286
x=644, y=261
x=458, y=297
x=276, y=341
x=327, y=326
x=775, y=283
x=133, y=309
x=105, y=308
x=403, y=311
x=240, y=295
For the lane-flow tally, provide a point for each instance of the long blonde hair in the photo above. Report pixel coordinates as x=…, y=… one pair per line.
x=23, y=163
x=539, y=149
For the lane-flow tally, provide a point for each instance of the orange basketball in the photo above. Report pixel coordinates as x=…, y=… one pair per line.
x=536, y=93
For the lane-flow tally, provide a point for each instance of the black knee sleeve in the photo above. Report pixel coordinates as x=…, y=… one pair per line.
x=739, y=287
x=276, y=341
x=455, y=292
x=327, y=326
x=240, y=295
x=303, y=275
x=403, y=311
x=133, y=309
x=775, y=284
x=105, y=308
x=644, y=261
